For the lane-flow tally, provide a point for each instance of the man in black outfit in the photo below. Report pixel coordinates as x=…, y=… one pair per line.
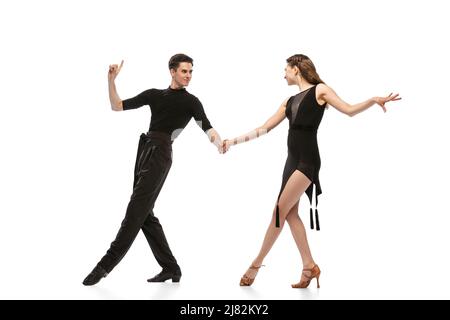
x=172, y=109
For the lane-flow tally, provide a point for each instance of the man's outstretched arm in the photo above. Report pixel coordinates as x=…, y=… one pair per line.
x=215, y=138
x=203, y=122
x=116, y=102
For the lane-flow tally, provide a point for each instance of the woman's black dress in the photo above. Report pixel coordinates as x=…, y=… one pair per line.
x=304, y=114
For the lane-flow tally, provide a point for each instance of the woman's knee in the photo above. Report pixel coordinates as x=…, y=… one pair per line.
x=292, y=216
x=286, y=208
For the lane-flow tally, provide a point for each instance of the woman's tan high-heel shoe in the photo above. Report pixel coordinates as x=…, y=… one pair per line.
x=309, y=274
x=246, y=280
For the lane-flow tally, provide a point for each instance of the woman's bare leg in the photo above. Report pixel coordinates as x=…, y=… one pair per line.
x=299, y=233
x=295, y=187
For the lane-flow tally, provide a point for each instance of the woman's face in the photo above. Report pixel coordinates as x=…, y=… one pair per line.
x=290, y=74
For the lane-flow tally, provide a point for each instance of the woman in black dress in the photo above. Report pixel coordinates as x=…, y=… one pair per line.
x=301, y=172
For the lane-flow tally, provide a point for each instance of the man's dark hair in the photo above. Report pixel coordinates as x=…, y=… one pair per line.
x=175, y=61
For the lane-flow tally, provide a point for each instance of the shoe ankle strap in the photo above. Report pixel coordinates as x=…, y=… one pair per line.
x=255, y=267
x=311, y=269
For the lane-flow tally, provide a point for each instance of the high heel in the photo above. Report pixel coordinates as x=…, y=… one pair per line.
x=246, y=280
x=314, y=272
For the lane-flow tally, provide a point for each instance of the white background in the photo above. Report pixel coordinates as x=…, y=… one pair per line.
x=67, y=160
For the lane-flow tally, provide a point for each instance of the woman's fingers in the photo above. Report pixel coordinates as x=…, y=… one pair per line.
x=396, y=97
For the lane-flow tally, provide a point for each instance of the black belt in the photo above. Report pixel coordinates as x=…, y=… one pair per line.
x=158, y=136
x=303, y=128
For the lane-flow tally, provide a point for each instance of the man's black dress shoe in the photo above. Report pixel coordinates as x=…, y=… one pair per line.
x=166, y=275
x=95, y=276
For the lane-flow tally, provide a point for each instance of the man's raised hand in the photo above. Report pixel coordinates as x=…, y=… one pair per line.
x=114, y=70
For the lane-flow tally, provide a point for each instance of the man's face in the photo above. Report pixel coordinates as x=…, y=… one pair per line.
x=182, y=76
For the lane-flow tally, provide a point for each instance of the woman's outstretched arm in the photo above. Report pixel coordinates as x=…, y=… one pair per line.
x=271, y=123
x=326, y=94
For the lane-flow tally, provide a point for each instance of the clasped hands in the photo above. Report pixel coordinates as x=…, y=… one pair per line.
x=224, y=146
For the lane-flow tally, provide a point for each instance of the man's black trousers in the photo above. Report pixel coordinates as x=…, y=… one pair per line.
x=153, y=162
